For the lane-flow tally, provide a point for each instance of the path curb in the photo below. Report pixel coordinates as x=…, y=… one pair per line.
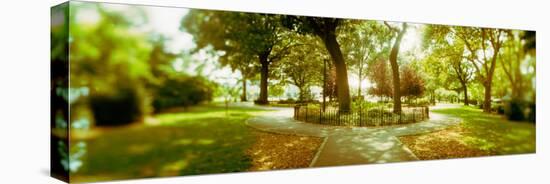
x=319, y=150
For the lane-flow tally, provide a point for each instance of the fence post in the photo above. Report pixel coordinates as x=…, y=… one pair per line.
x=361, y=117
x=320, y=116
x=428, y=112
x=306, y=113
x=295, y=114
x=338, y=117
x=381, y=117
x=414, y=112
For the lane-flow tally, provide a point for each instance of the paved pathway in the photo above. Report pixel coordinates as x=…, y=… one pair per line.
x=352, y=145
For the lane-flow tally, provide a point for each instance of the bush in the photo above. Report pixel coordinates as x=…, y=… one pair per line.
x=182, y=92
x=120, y=108
x=498, y=108
x=422, y=102
x=515, y=110
x=287, y=101
x=375, y=113
x=308, y=101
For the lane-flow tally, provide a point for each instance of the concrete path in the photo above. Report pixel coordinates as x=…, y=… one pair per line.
x=352, y=145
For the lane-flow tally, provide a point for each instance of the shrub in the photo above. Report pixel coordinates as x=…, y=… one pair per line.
x=120, y=108
x=472, y=102
x=310, y=101
x=422, y=102
x=498, y=108
x=515, y=110
x=182, y=92
x=287, y=101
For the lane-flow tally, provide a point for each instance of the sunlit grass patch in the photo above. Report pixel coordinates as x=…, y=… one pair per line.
x=494, y=133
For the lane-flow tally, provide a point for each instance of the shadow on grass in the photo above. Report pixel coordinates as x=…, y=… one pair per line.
x=494, y=133
x=200, y=140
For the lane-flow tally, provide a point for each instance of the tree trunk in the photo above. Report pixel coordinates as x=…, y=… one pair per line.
x=488, y=84
x=243, y=96
x=342, y=86
x=324, y=84
x=301, y=92
x=487, y=100
x=465, y=90
x=395, y=71
x=360, y=75
x=264, y=74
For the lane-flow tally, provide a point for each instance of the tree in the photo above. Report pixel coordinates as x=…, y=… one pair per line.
x=512, y=57
x=160, y=60
x=330, y=89
x=363, y=42
x=484, y=45
x=412, y=83
x=381, y=77
x=109, y=63
x=301, y=69
x=245, y=64
x=451, y=52
x=395, y=66
x=325, y=28
x=258, y=35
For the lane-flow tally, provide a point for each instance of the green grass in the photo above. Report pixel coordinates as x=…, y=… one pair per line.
x=200, y=140
x=494, y=133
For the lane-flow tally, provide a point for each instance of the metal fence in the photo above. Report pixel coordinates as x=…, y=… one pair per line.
x=378, y=116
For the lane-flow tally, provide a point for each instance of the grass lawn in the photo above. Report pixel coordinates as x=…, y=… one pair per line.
x=478, y=134
x=200, y=140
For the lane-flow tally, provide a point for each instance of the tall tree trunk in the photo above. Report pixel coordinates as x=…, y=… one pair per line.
x=465, y=90
x=487, y=99
x=360, y=75
x=243, y=96
x=301, y=92
x=488, y=84
x=395, y=71
x=264, y=74
x=324, y=84
x=342, y=86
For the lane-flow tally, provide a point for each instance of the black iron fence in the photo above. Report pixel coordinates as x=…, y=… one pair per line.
x=375, y=116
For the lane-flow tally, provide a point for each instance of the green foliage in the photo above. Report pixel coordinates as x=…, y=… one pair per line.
x=110, y=62
x=277, y=90
x=304, y=70
x=128, y=73
x=182, y=91
x=106, y=53
x=446, y=95
x=326, y=30
x=247, y=33
x=160, y=61
x=363, y=43
x=243, y=38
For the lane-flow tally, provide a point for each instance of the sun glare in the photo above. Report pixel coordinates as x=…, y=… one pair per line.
x=412, y=39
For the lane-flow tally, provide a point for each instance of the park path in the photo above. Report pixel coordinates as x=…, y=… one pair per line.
x=352, y=145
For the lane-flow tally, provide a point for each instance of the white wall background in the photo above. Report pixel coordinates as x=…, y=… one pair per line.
x=24, y=85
